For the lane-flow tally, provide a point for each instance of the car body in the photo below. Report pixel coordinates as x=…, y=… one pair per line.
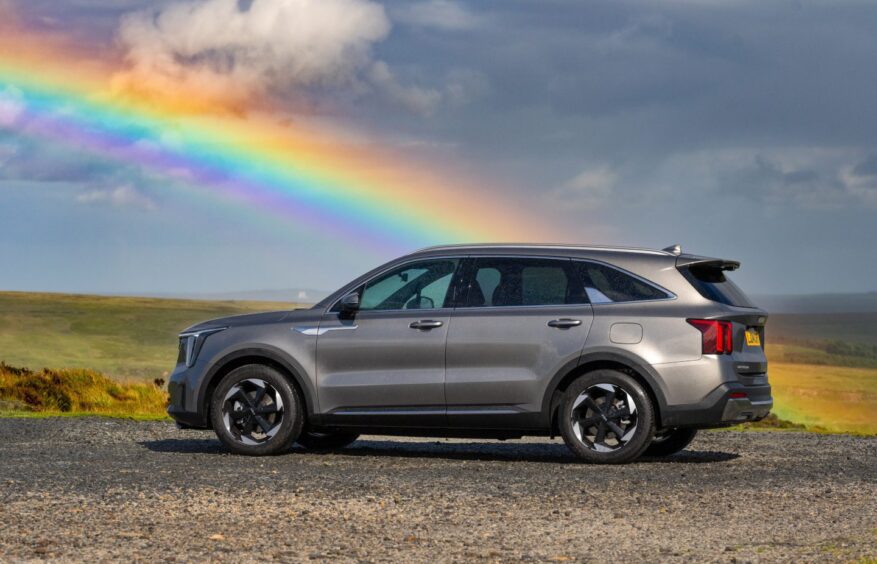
x=485, y=341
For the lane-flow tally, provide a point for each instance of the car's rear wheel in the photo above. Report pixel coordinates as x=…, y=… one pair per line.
x=313, y=440
x=670, y=441
x=607, y=417
x=256, y=411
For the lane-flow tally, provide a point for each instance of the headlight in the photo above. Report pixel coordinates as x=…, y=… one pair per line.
x=191, y=343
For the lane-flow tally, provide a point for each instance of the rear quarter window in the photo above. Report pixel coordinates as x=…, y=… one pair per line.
x=605, y=285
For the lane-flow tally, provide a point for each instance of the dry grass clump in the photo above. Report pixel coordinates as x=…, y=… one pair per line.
x=77, y=390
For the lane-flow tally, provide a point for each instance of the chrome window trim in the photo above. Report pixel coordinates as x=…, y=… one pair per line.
x=671, y=295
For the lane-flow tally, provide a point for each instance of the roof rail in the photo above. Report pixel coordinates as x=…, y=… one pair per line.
x=545, y=246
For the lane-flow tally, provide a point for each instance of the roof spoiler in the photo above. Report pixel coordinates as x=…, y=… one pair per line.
x=706, y=262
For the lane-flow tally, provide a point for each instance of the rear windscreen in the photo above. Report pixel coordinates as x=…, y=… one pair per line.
x=713, y=284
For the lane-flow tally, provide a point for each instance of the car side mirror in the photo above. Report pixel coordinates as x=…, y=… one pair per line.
x=349, y=304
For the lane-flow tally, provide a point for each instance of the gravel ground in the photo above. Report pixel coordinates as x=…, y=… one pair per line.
x=100, y=489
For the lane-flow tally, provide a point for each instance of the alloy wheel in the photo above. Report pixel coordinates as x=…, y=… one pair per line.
x=604, y=417
x=252, y=411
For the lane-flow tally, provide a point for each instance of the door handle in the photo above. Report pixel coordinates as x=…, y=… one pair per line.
x=425, y=324
x=564, y=323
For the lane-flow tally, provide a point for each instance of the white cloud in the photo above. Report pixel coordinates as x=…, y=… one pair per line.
x=860, y=180
x=422, y=101
x=438, y=14
x=219, y=49
x=11, y=106
x=812, y=178
x=588, y=190
x=125, y=196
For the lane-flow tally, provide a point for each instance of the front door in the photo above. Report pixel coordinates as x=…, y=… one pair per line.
x=522, y=320
x=385, y=365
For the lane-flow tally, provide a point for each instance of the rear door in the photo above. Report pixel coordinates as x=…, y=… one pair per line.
x=521, y=319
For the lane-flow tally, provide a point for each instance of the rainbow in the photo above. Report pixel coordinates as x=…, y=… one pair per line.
x=330, y=188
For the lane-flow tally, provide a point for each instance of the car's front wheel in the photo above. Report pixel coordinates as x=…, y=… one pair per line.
x=670, y=441
x=256, y=411
x=607, y=417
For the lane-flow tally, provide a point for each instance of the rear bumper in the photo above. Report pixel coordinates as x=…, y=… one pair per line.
x=728, y=404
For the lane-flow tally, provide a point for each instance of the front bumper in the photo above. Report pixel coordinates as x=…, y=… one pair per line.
x=182, y=408
x=729, y=404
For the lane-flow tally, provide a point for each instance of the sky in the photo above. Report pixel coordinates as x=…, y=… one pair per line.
x=739, y=129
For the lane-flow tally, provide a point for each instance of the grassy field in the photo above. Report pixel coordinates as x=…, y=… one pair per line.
x=824, y=376
x=830, y=398
x=78, y=391
x=126, y=338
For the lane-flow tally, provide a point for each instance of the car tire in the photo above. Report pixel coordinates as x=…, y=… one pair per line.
x=670, y=442
x=256, y=411
x=333, y=440
x=601, y=433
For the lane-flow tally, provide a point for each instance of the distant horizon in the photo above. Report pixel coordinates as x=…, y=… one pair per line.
x=816, y=302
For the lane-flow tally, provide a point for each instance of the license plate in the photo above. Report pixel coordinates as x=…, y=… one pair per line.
x=753, y=339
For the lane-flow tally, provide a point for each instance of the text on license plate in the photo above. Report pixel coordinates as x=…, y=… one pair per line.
x=753, y=339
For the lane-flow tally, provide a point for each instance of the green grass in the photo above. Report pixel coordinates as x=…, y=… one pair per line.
x=830, y=398
x=126, y=338
x=78, y=391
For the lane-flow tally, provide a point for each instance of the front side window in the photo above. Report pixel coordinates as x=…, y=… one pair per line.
x=605, y=285
x=512, y=282
x=419, y=285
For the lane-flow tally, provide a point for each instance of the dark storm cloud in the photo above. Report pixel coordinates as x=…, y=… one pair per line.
x=744, y=128
x=867, y=167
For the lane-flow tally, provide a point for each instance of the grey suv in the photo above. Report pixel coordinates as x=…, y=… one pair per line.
x=620, y=351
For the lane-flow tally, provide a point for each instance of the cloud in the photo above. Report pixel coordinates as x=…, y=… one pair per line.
x=773, y=182
x=591, y=189
x=861, y=180
x=125, y=196
x=41, y=161
x=238, y=51
x=11, y=106
x=443, y=15
x=867, y=167
x=419, y=100
x=786, y=178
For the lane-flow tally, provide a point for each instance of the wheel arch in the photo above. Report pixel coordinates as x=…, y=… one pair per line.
x=267, y=356
x=625, y=362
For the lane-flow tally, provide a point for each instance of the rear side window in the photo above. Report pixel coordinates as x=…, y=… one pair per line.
x=712, y=283
x=523, y=282
x=604, y=285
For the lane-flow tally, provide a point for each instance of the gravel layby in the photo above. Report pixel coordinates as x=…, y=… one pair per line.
x=102, y=489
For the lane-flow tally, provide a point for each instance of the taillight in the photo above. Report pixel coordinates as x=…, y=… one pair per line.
x=716, y=335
